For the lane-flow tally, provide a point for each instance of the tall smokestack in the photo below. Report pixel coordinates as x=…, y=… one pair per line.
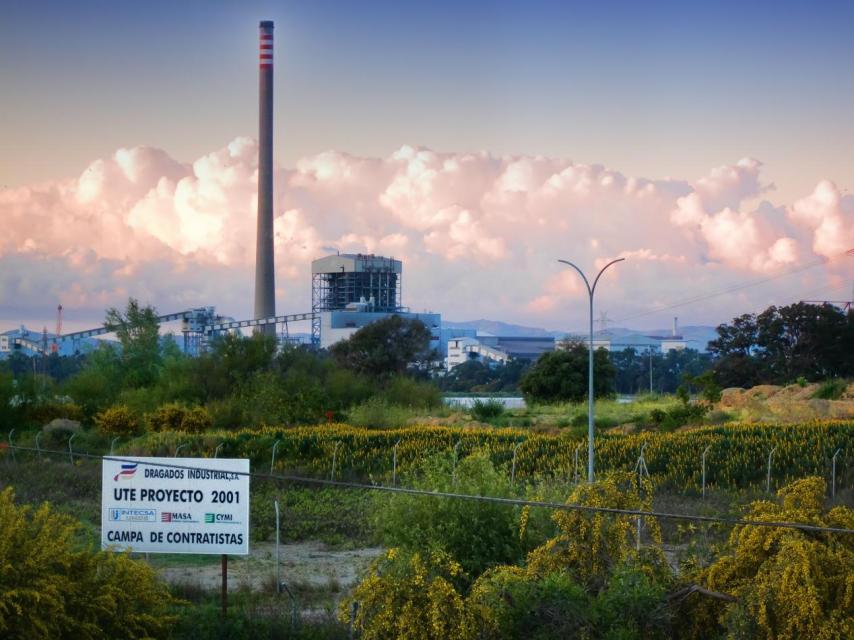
x=675, y=326
x=265, y=285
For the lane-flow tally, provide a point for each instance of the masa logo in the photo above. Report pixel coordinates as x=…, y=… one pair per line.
x=127, y=472
x=220, y=518
x=132, y=515
x=171, y=516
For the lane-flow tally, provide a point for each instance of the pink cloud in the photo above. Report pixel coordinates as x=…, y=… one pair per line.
x=480, y=234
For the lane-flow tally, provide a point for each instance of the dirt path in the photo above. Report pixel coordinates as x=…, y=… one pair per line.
x=308, y=564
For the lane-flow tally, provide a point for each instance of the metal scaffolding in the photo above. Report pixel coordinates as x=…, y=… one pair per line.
x=354, y=282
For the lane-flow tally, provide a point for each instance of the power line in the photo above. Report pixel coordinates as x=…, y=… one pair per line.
x=732, y=289
x=459, y=496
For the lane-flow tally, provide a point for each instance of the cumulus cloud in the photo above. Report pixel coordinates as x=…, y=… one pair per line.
x=830, y=218
x=479, y=234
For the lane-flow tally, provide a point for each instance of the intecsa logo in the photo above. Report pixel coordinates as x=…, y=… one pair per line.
x=127, y=472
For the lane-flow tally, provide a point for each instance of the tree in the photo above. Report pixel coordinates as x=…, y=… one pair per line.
x=477, y=376
x=782, y=344
x=387, y=347
x=229, y=364
x=632, y=369
x=561, y=376
x=138, y=331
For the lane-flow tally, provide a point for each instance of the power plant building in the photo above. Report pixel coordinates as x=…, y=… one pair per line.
x=352, y=290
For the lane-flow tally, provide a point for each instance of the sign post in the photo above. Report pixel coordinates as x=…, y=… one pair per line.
x=224, y=585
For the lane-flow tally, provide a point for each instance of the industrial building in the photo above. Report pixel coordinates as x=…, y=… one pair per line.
x=352, y=290
x=37, y=343
x=496, y=349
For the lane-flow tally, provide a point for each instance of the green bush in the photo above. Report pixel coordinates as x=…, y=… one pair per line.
x=378, y=413
x=227, y=413
x=118, y=420
x=196, y=420
x=406, y=392
x=831, y=389
x=478, y=534
x=45, y=412
x=509, y=604
x=678, y=416
x=487, y=410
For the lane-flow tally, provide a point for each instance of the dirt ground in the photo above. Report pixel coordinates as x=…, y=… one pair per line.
x=308, y=564
x=792, y=403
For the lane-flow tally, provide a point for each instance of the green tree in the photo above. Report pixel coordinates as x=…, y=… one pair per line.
x=479, y=377
x=98, y=385
x=230, y=363
x=387, y=347
x=782, y=344
x=138, y=331
x=561, y=376
x=9, y=413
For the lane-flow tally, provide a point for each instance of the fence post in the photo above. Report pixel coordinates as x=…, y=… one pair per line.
x=278, y=577
x=273, y=459
x=334, y=459
x=705, y=451
x=513, y=468
x=70, y=450
x=768, y=480
x=642, y=470
x=113, y=444
x=38, y=443
x=11, y=444
x=354, y=610
x=394, y=464
x=576, y=463
x=178, y=448
x=216, y=451
x=833, y=475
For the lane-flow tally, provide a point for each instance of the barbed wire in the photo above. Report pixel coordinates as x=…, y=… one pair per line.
x=740, y=522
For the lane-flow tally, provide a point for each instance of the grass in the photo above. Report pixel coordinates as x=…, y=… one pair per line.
x=831, y=389
x=573, y=416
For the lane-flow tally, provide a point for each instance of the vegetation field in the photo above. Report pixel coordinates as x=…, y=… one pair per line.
x=737, y=453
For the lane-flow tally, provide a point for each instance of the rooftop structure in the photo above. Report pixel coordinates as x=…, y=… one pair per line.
x=354, y=282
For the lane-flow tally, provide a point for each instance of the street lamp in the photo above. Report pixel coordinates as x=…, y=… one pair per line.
x=590, y=291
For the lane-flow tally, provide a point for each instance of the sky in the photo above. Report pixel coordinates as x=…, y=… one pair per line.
x=710, y=144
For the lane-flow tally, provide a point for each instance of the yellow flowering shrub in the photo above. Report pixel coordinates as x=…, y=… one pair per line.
x=118, y=420
x=50, y=589
x=409, y=596
x=590, y=545
x=789, y=583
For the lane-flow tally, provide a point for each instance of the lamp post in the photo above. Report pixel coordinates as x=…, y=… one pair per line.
x=590, y=292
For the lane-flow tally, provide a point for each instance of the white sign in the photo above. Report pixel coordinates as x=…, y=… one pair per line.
x=175, y=505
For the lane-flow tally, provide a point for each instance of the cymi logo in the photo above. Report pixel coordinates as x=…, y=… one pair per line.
x=220, y=518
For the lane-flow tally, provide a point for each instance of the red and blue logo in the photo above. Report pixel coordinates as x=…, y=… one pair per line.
x=127, y=472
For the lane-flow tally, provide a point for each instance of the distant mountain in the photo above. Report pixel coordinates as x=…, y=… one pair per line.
x=503, y=329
